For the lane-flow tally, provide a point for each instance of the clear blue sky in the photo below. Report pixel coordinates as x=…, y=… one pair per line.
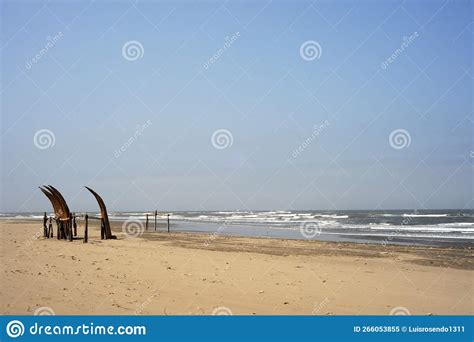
x=259, y=88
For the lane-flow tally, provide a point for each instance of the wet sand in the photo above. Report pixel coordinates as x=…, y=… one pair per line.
x=184, y=273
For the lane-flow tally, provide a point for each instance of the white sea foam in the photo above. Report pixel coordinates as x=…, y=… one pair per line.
x=332, y=216
x=425, y=215
x=434, y=229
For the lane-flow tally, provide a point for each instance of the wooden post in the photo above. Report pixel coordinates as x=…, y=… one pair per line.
x=48, y=233
x=50, y=227
x=86, y=223
x=45, y=227
x=146, y=223
x=75, y=225
x=102, y=229
x=156, y=213
x=69, y=225
x=63, y=229
x=58, y=231
x=168, y=223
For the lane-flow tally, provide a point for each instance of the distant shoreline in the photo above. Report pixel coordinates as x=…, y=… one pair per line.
x=213, y=230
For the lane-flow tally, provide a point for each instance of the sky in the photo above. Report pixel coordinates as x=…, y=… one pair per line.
x=237, y=105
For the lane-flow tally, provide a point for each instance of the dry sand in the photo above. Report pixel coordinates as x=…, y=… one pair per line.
x=181, y=273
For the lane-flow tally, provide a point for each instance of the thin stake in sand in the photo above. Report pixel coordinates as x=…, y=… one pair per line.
x=86, y=224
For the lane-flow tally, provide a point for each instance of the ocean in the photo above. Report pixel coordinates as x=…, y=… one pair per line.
x=421, y=227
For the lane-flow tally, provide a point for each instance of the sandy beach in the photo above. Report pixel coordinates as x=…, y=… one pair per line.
x=184, y=273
